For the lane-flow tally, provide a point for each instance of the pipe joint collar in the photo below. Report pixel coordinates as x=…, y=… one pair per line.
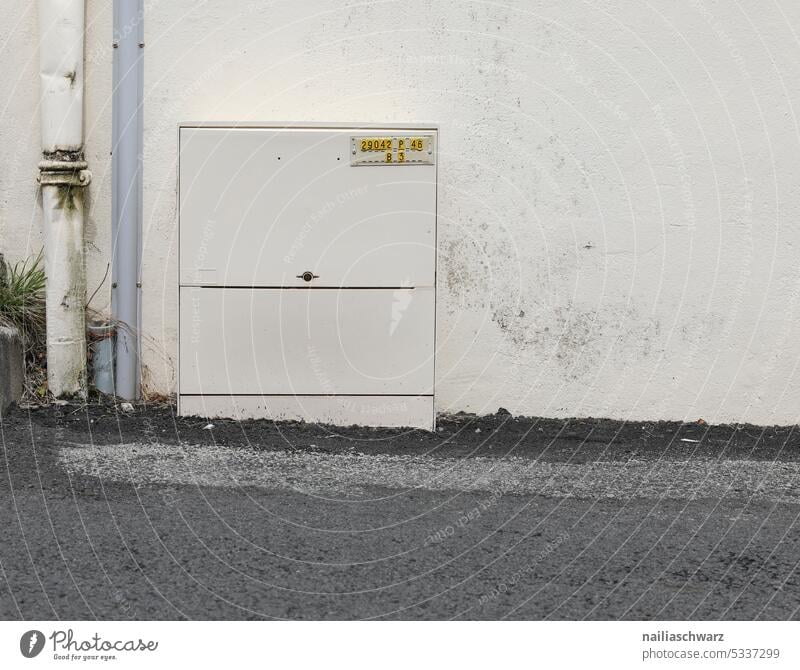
x=64, y=173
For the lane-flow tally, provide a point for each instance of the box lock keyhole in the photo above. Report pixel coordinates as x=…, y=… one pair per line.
x=307, y=276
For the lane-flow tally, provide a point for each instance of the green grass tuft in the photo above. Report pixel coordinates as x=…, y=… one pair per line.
x=22, y=300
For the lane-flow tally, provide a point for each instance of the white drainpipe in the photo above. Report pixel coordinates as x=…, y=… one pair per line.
x=63, y=177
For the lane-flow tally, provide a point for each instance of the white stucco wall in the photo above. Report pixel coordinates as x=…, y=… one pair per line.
x=20, y=203
x=619, y=209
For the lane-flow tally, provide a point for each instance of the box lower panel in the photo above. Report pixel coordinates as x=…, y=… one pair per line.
x=363, y=410
x=307, y=342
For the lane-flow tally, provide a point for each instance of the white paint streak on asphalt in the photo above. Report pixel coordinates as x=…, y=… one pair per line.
x=351, y=474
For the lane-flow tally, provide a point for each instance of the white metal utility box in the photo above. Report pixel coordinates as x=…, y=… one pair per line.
x=307, y=273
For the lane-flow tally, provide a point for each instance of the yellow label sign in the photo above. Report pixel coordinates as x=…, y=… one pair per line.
x=391, y=150
x=376, y=144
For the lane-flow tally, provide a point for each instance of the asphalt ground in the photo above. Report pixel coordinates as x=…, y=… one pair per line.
x=143, y=515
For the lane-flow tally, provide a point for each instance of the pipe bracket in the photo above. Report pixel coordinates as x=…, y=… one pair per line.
x=64, y=173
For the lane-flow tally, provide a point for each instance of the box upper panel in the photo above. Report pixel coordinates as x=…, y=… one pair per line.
x=261, y=207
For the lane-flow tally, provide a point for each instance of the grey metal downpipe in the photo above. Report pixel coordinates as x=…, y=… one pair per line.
x=126, y=191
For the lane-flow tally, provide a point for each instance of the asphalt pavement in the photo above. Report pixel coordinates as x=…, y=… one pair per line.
x=143, y=515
